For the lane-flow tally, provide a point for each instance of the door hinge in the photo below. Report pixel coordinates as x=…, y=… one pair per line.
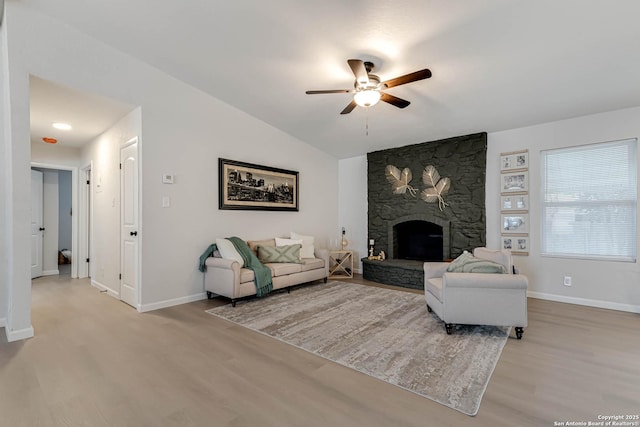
x=87, y=259
x=88, y=182
x=120, y=276
x=120, y=166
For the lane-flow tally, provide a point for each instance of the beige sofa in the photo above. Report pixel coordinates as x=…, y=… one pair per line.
x=477, y=298
x=225, y=277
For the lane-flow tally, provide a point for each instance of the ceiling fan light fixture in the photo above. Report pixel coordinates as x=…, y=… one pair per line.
x=367, y=98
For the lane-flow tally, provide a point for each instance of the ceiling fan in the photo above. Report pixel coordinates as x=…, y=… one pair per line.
x=368, y=89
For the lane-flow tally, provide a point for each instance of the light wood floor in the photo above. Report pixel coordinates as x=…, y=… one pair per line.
x=97, y=362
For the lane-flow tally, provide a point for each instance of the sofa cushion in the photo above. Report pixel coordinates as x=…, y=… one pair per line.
x=502, y=257
x=253, y=244
x=271, y=254
x=228, y=251
x=308, y=250
x=282, y=269
x=312, y=264
x=467, y=263
x=434, y=287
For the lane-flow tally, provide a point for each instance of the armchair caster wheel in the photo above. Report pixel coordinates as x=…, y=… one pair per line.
x=233, y=303
x=326, y=279
x=209, y=294
x=429, y=309
x=449, y=328
x=519, y=332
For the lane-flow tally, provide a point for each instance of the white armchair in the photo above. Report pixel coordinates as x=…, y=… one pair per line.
x=477, y=298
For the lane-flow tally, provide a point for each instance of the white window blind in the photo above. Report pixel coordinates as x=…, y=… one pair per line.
x=589, y=202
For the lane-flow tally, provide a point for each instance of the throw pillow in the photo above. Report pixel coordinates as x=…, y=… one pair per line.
x=228, y=251
x=467, y=263
x=289, y=253
x=308, y=250
x=457, y=264
x=287, y=242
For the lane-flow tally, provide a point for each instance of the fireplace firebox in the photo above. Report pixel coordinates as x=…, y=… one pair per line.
x=418, y=240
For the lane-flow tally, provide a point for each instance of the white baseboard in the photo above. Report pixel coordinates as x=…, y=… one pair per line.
x=20, y=334
x=586, y=302
x=102, y=287
x=51, y=272
x=3, y=322
x=171, y=302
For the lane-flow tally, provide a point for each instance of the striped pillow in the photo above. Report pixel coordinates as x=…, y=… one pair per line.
x=289, y=253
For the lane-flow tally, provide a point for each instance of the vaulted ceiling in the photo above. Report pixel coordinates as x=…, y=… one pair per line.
x=496, y=64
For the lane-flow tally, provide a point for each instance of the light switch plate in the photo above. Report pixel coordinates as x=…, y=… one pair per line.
x=167, y=178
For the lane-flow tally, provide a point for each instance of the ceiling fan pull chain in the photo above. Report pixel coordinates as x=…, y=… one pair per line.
x=366, y=121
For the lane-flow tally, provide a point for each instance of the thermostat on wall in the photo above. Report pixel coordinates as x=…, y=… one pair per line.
x=167, y=178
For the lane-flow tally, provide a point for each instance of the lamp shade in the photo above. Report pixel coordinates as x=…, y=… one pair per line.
x=367, y=98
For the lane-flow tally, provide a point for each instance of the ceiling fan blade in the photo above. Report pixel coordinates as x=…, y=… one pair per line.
x=349, y=108
x=359, y=70
x=408, y=78
x=394, y=100
x=316, y=92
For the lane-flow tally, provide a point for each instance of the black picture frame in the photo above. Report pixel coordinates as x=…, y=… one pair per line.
x=248, y=186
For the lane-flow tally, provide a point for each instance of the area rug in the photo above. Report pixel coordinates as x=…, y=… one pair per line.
x=384, y=333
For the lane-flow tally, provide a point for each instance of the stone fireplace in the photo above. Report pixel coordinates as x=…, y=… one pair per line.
x=411, y=231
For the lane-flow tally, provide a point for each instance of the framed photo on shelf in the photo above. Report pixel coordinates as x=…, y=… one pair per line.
x=518, y=245
x=514, y=160
x=514, y=182
x=247, y=186
x=514, y=202
x=515, y=223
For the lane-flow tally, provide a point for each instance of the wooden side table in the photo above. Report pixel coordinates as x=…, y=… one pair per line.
x=341, y=264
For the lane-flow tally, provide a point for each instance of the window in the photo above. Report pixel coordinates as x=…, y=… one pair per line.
x=589, y=202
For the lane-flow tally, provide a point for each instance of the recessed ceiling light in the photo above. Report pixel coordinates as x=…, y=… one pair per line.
x=62, y=126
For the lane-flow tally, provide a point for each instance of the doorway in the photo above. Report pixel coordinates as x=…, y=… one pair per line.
x=54, y=203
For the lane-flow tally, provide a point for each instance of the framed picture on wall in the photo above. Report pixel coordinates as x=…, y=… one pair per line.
x=514, y=182
x=247, y=186
x=514, y=160
x=515, y=223
x=518, y=245
x=514, y=202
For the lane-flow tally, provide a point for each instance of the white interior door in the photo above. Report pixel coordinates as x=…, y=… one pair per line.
x=37, y=228
x=129, y=245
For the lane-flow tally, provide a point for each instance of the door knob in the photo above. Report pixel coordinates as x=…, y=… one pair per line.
x=41, y=228
x=133, y=233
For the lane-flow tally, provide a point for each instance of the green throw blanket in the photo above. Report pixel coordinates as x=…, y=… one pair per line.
x=202, y=266
x=263, y=281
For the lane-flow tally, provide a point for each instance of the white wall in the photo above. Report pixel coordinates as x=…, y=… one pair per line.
x=55, y=154
x=16, y=186
x=353, y=206
x=65, y=210
x=599, y=283
x=50, y=222
x=5, y=165
x=184, y=131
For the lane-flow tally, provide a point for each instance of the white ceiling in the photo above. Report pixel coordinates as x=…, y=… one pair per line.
x=496, y=64
x=89, y=115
